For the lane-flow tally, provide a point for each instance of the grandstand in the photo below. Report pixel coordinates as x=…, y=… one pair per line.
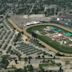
x=22, y=21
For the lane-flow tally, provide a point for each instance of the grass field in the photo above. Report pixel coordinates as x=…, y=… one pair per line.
x=49, y=41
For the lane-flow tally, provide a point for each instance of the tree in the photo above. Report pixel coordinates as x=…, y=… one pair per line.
x=38, y=57
x=29, y=58
x=25, y=69
x=30, y=68
x=25, y=59
x=43, y=58
x=5, y=61
x=60, y=70
x=41, y=68
x=34, y=34
x=19, y=70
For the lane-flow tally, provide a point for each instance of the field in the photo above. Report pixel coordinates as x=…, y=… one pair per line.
x=56, y=45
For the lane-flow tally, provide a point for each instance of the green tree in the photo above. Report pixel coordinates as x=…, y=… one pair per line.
x=19, y=70
x=5, y=61
x=30, y=68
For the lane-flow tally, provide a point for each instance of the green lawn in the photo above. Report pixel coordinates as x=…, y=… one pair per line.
x=49, y=41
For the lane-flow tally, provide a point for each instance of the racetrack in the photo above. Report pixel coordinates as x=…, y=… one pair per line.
x=48, y=41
